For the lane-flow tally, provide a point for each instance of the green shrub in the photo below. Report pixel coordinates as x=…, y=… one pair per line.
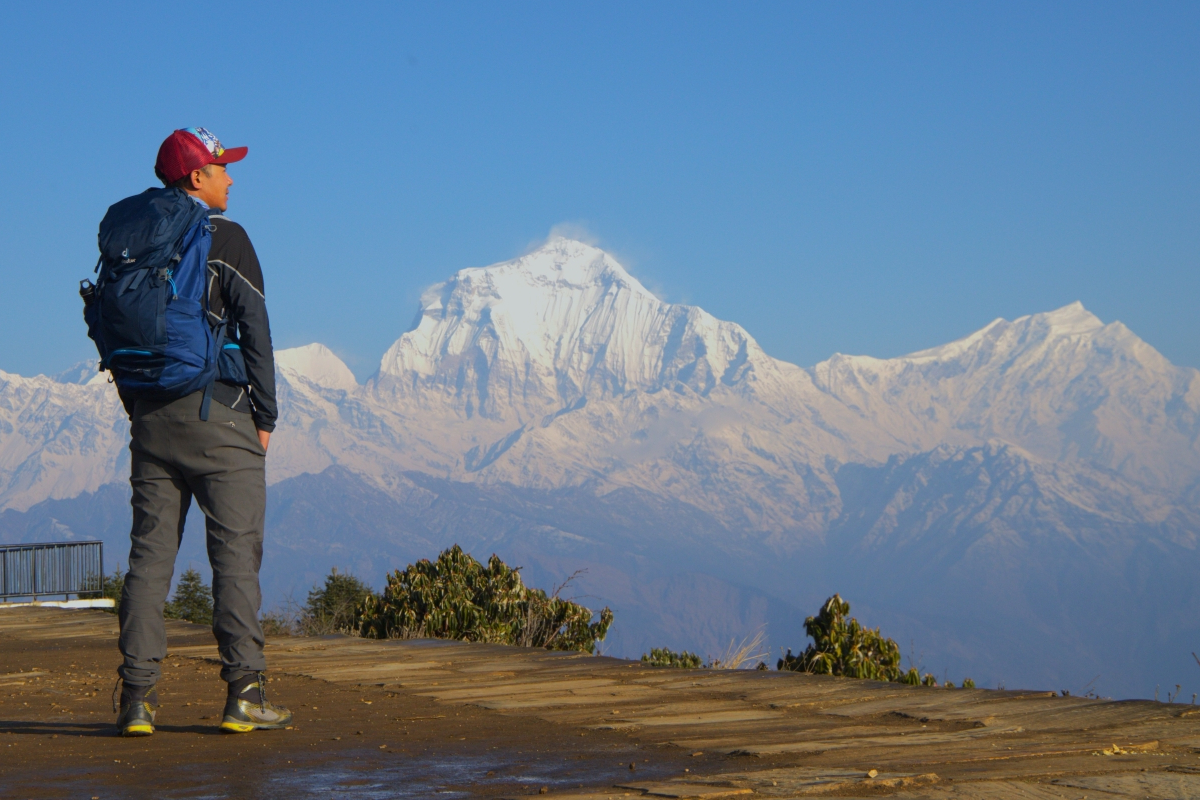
x=456, y=597
x=842, y=647
x=914, y=678
x=192, y=600
x=334, y=607
x=662, y=657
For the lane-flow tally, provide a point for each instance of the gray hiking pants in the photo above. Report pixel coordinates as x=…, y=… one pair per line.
x=176, y=456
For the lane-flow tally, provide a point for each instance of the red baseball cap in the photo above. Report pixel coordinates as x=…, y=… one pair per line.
x=190, y=149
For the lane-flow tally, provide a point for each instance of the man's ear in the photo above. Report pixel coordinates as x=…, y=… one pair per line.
x=196, y=179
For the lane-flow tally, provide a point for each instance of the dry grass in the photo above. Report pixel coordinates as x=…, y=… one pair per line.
x=276, y=623
x=741, y=654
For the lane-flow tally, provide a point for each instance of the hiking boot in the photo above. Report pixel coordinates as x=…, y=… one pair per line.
x=247, y=707
x=136, y=711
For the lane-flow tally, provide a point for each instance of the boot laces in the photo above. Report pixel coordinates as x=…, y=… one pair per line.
x=262, y=692
x=116, y=695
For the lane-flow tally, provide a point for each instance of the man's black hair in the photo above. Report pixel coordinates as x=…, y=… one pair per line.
x=184, y=183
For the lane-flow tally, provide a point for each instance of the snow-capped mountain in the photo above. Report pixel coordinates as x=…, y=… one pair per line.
x=1062, y=385
x=561, y=325
x=58, y=439
x=552, y=408
x=559, y=369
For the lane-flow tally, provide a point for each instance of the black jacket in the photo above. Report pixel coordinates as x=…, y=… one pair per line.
x=235, y=290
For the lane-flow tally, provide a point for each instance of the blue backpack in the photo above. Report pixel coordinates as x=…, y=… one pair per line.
x=148, y=310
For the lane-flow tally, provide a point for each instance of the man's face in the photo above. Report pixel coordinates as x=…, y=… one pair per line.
x=212, y=188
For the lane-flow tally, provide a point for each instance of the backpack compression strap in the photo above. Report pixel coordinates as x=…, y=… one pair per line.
x=207, y=401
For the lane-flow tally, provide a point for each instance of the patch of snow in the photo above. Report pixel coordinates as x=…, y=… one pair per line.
x=82, y=372
x=316, y=363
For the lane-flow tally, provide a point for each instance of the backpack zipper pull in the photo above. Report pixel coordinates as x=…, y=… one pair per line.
x=174, y=290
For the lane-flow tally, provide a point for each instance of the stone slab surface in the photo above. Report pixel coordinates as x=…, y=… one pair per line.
x=782, y=735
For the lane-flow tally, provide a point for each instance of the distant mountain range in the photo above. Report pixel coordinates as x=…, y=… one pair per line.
x=1021, y=506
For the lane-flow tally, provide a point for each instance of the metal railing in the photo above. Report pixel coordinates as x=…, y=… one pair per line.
x=37, y=570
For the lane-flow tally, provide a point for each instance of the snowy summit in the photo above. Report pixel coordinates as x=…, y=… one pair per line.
x=563, y=322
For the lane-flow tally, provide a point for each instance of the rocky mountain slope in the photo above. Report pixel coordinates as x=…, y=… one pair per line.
x=553, y=410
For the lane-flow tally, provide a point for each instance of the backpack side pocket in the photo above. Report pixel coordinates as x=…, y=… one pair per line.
x=231, y=365
x=91, y=318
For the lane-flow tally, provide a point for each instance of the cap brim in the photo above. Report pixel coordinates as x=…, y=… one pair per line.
x=231, y=155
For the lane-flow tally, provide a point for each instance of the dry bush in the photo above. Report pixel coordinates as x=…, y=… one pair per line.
x=277, y=623
x=738, y=654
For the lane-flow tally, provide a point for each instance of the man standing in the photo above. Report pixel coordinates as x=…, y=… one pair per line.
x=211, y=445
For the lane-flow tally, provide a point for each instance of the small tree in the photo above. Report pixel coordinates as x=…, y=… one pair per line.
x=842, y=647
x=456, y=597
x=335, y=606
x=192, y=600
x=662, y=657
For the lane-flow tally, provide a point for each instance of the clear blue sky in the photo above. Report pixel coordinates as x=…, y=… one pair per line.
x=870, y=178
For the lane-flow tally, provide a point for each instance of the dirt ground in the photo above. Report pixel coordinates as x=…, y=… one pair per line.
x=57, y=739
x=519, y=722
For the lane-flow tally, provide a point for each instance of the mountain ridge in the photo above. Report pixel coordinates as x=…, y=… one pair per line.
x=510, y=369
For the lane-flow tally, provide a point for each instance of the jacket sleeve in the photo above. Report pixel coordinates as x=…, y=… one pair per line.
x=246, y=308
